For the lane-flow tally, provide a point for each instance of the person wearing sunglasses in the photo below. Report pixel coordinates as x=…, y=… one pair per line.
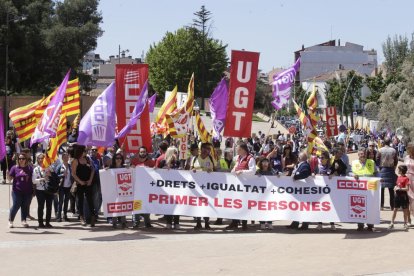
x=22, y=189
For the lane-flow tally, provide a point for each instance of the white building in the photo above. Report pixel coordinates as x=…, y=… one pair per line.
x=328, y=57
x=91, y=62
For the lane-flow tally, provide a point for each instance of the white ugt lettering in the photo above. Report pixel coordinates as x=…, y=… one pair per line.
x=247, y=73
x=239, y=116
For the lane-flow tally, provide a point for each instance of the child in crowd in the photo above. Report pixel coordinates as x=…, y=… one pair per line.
x=401, y=196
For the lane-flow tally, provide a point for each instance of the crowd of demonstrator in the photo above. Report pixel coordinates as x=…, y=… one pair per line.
x=76, y=174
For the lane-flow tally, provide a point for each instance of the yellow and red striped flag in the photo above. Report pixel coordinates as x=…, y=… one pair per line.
x=178, y=122
x=205, y=136
x=357, y=125
x=54, y=143
x=168, y=107
x=25, y=118
x=312, y=101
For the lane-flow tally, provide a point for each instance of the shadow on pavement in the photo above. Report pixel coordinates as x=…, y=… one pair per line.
x=119, y=237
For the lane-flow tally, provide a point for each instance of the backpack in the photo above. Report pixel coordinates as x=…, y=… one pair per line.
x=52, y=184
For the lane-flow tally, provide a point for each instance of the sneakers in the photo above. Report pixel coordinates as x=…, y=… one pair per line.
x=391, y=226
x=11, y=224
x=168, y=226
x=319, y=227
x=262, y=226
x=30, y=217
x=406, y=227
x=177, y=227
x=333, y=228
x=25, y=224
x=269, y=226
x=48, y=225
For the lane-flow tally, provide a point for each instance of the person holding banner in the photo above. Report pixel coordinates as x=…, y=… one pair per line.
x=363, y=167
x=142, y=160
x=264, y=168
x=301, y=171
x=203, y=162
x=118, y=162
x=83, y=173
x=245, y=165
x=171, y=162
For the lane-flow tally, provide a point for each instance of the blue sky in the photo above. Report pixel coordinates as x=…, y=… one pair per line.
x=274, y=28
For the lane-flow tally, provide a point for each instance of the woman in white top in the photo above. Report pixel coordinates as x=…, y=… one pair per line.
x=39, y=178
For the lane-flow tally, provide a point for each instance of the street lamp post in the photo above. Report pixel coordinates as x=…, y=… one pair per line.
x=347, y=88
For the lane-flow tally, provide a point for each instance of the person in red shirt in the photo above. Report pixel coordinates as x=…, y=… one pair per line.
x=401, y=196
x=142, y=159
x=163, y=148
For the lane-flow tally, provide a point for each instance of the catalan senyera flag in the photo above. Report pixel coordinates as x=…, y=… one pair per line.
x=178, y=122
x=75, y=123
x=205, y=136
x=25, y=118
x=54, y=143
x=312, y=101
x=167, y=107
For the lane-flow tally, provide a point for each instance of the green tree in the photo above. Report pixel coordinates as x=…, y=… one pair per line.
x=54, y=37
x=348, y=88
x=395, y=51
x=201, y=23
x=173, y=60
x=397, y=102
x=377, y=86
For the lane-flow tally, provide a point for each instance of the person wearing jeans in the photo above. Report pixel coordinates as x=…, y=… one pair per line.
x=39, y=178
x=65, y=174
x=22, y=191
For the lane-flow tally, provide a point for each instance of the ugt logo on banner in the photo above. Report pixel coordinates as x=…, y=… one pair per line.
x=242, y=90
x=331, y=122
x=124, y=184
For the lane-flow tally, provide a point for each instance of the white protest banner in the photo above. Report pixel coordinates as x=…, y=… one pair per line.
x=225, y=195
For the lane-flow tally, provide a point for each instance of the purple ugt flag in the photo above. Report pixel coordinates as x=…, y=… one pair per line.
x=218, y=107
x=282, y=85
x=151, y=103
x=49, y=122
x=97, y=127
x=2, y=143
x=136, y=114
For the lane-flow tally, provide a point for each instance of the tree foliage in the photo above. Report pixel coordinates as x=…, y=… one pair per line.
x=396, y=50
x=53, y=38
x=346, y=87
x=173, y=60
x=397, y=102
